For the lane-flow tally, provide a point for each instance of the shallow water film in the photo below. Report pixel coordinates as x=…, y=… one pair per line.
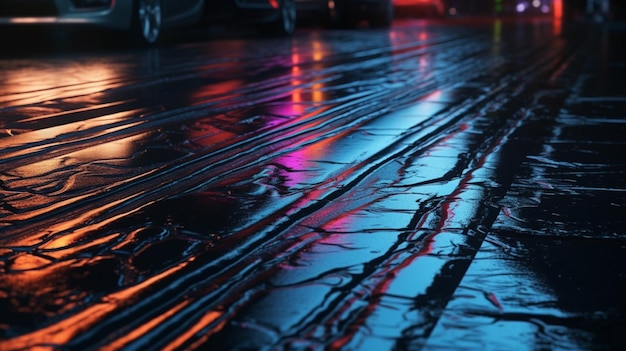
x=439, y=185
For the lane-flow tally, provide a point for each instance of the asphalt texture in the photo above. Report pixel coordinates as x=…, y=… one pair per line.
x=451, y=184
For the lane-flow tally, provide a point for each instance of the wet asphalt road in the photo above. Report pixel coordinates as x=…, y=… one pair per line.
x=439, y=186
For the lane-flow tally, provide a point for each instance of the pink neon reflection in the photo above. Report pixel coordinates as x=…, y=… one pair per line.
x=307, y=91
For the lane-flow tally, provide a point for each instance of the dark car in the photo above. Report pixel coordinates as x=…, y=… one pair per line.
x=144, y=19
x=347, y=13
x=147, y=19
x=272, y=17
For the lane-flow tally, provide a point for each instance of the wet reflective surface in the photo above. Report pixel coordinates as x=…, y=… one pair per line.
x=439, y=185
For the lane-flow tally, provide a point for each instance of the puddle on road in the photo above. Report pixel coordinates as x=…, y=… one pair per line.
x=554, y=257
x=556, y=295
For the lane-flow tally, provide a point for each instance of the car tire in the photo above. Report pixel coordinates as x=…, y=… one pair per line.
x=285, y=24
x=385, y=17
x=147, y=22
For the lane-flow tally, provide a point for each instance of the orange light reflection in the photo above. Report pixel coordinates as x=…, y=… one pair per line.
x=79, y=219
x=298, y=80
x=33, y=83
x=66, y=329
x=143, y=329
x=71, y=244
x=207, y=319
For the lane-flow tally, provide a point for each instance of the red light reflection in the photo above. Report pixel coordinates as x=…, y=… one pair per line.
x=557, y=8
x=203, y=133
x=558, y=15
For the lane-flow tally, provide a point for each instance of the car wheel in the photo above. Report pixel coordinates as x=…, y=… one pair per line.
x=285, y=24
x=385, y=17
x=147, y=21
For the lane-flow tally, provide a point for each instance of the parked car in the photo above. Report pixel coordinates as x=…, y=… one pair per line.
x=271, y=17
x=147, y=19
x=347, y=13
x=430, y=8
